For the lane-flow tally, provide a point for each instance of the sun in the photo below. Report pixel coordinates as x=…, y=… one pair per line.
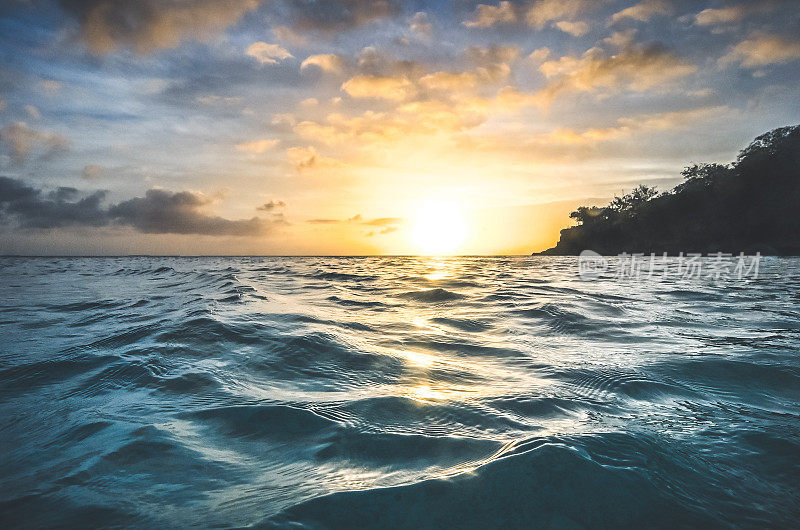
x=439, y=227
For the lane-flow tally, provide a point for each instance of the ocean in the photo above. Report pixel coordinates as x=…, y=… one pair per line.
x=389, y=392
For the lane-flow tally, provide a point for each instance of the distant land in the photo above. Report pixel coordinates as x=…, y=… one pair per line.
x=750, y=205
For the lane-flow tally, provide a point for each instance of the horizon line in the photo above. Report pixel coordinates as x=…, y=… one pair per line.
x=263, y=255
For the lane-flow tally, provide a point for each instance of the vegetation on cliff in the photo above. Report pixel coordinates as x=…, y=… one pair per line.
x=749, y=205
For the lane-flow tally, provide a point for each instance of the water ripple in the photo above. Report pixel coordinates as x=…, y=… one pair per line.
x=394, y=392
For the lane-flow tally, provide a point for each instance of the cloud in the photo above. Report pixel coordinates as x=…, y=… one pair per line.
x=384, y=221
x=326, y=221
x=373, y=129
x=621, y=39
x=564, y=145
x=510, y=99
x=386, y=229
x=22, y=142
x=92, y=172
x=324, y=133
x=257, y=146
x=33, y=208
x=576, y=29
x=540, y=55
x=268, y=53
x=382, y=87
x=487, y=16
x=420, y=24
x=633, y=68
x=724, y=15
x=165, y=212
x=491, y=67
x=148, y=25
x=663, y=121
x=427, y=104
x=33, y=112
x=158, y=212
x=762, y=50
x=543, y=12
x=329, y=62
x=375, y=63
x=492, y=55
x=307, y=158
x=387, y=224
x=289, y=36
x=283, y=120
x=449, y=81
x=644, y=11
x=270, y=206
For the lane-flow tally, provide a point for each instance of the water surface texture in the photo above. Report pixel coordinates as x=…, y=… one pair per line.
x=413, y=392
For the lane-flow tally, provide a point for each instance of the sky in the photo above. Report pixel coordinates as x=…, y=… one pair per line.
x=366, y=127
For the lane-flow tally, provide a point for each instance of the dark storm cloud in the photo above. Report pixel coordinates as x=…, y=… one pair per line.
x=165, y=212
x=33, y=208
x=158, y=212
x=148, y=25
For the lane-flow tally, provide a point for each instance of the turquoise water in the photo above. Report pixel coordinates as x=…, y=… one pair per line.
x=395, y=392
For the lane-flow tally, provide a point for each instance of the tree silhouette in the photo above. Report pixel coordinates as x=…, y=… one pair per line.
x=747, y=206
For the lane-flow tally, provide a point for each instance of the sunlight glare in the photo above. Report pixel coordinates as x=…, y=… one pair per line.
x=439, y=227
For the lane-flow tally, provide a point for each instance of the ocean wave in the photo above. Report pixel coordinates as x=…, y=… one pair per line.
x=552, y=485
x=393, y=392
x=431, y=296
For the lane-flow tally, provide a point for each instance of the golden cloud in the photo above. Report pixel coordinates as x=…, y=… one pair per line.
x=663, y=121
x=449, y=81
x=634, y=68
x=381, y=87
x=329, y=62
x=540, y=55
x=323, y=133
x=268, y=53
x=565, y=145
x=542, y=12
x=576, y=29
x=487, y=16
x=257, y=146
x=724, y=15
x=307, y=158
x=644, y=11
x=762, y=50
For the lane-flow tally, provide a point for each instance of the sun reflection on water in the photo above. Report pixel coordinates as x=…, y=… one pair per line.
x=440, y=269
